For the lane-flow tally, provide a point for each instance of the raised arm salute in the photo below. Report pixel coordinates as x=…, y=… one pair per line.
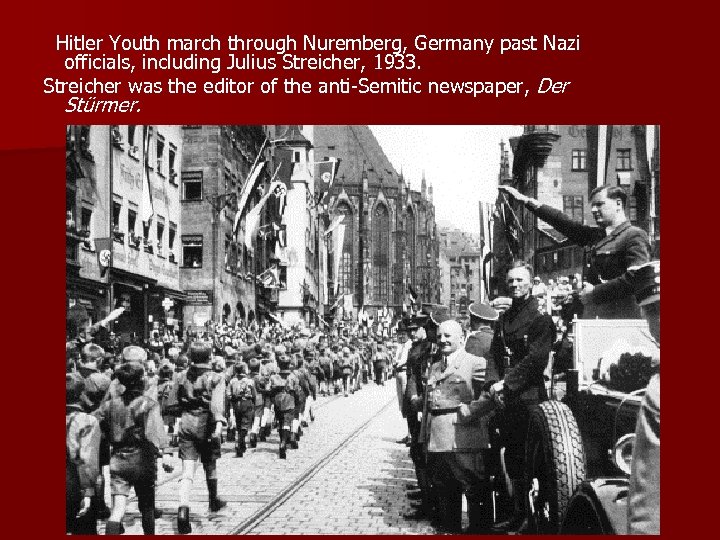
x=614, y=246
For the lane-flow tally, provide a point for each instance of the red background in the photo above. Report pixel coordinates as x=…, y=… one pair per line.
x=638, y=65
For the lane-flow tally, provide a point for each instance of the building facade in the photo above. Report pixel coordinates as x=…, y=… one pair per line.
x=560, y=166
x=123, y=200
x=299, y=297
x=464, y=266
x=217, y=271
x=390, y=244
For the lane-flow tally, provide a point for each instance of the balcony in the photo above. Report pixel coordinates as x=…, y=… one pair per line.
x=538, y=140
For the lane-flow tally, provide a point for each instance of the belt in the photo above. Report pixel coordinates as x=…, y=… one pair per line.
x=439, y=412
x=400, y=369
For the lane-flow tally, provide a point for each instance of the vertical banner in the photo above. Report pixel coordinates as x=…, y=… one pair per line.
x=147, y=211
x=283, y=159
x=325, y=172
x=323, y=271
x=601, y=154
x=338, y=239
x=248, y=187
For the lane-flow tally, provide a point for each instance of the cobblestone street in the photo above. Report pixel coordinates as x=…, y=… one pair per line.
x=348, y=477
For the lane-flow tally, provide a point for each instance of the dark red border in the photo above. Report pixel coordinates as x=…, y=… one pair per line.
x=637, y=66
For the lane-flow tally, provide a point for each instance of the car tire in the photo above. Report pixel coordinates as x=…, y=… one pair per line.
x=555, y=464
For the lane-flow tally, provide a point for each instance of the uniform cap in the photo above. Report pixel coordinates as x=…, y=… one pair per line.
x=253, y=364
x=133, y=353
x=165, y=373
x=439, y=315
x=482, y=311
x=241, y=368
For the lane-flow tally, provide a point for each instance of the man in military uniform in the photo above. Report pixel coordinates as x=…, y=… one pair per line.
x=283, y=387
x=201, y=396
x=614, y=246
x=400, y=369
x=420, y=356
x=261, y=387
x=519, y=354
x=82, y=452
x=242, y=395
x=455, y=436
x=482, y=316
x=132, y=422
x=96, y=386
x=644, y=494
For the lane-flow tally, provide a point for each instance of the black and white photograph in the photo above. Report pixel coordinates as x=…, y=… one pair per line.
x=362, y=329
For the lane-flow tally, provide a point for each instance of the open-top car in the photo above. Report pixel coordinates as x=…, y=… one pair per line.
x=579, y=444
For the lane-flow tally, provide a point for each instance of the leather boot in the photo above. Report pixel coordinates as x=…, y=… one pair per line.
x=101, y=509
x=114, y=527
x=242, y=435
x=451, y=511
x=479, y=514
x=517, y=523
x=215, y=503
x=283, y=444
x=183, y=520
x=238, y=450
x=148, y=521
x=253, y=440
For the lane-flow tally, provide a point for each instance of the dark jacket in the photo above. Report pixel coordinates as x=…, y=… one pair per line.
x=607, y=262
x=529, y=335
x=478, y=342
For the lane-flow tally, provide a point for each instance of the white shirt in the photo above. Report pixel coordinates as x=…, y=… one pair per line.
x=402, y=354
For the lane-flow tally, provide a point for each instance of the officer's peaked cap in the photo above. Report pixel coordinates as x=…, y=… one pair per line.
x=482, y=311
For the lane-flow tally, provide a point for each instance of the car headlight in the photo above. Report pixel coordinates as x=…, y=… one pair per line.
x=622, y=452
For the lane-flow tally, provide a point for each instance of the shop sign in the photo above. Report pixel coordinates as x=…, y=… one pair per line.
x=198, y=298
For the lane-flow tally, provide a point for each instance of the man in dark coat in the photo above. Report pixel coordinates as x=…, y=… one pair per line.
x=420, y=353
x=482, y=316
x=614, y=246
x=519, y=354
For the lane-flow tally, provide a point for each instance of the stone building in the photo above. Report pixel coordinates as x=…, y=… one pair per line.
x=299, y=297
x=464, y=255
x=560, y=166
x=123, y=226
x=217, y=272
x=390, y=244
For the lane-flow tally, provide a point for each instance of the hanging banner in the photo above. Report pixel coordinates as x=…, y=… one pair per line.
x=338, y=239
x=323, y=272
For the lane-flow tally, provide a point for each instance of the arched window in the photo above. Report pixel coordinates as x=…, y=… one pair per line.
x=345, y=277
x=381, y=254
x=411, y=243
